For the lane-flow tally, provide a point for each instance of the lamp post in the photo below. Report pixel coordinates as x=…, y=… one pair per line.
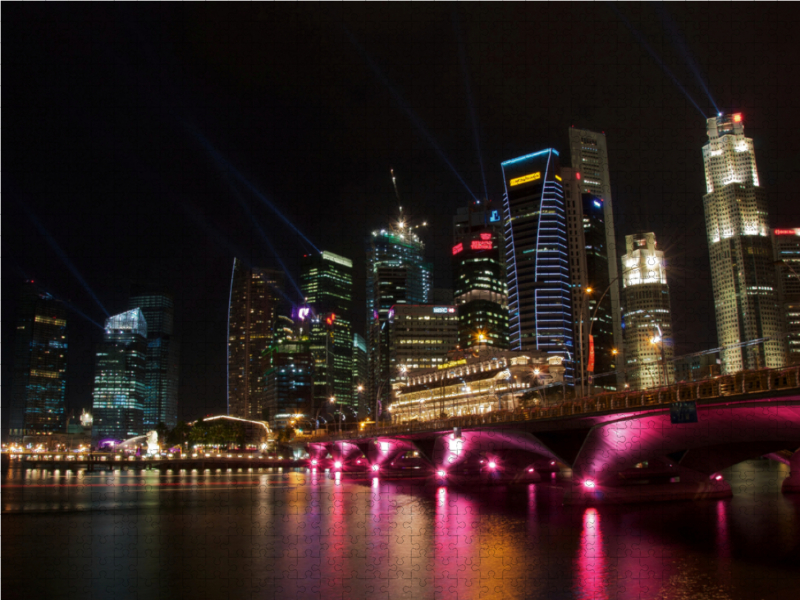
x=582, y=305
x=656, y=340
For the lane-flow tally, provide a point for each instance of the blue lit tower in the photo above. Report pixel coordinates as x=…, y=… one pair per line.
x=119, y=381
x=161, y=371
x=539, y=301
x=396, y=274
x=38, y=384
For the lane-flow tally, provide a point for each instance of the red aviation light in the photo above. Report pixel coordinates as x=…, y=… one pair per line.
x=457, y=248
x=737, y=118
x=486, y=236
x=577, y=175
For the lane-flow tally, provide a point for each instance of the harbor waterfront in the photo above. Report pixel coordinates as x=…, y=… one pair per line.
x=301, y=533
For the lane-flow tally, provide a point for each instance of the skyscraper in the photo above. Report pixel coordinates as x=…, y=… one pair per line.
x=647, y=317
x=742, y=273
x=420, y=336
x=589, y=153
x=479, y=276
x=786, y=246
x=120, y=381
x=40, y=364
x=327, y=284
x=539, y=293
x=396, y=274
x=255, y=302
x=161, y=370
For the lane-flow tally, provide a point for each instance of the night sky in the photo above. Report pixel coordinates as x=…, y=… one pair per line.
x=136, y=136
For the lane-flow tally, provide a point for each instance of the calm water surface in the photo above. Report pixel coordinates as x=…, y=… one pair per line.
x=294, y=534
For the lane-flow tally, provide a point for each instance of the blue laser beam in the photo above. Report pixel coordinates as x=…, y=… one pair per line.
x=415, y=120
x=62, y=255
x=680, y=44
x=655, y=57
x=462, y=59
x=226, y=167
x=266, y=240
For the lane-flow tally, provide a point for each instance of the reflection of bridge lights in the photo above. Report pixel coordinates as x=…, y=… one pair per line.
x=441, y=473
x=588, y=483
x=337, y=464
x=375, y=467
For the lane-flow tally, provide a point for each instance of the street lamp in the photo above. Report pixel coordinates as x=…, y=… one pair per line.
x=656, y=340
x=582, y=304
x=333, y=401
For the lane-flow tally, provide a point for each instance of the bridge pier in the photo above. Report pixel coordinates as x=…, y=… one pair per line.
x=791, y=485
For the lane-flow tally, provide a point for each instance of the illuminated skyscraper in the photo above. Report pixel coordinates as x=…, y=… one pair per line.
x=742, y=271
x=289, y=378
x=396, y=274
x=647, y=318
x=420, y=337
x=589, y=153
x=786, y=245
x=255, y=302
x=327, y=284
x=161, y=371
x=120, y=381
x=539, y=293
x=479, y=276
x=40, y=364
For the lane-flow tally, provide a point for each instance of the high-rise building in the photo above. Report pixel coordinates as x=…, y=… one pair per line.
x=589, y=153
x=396, y=274
x=327, y=284
x=479, y=276
x=742, y=271
x=120, y=386
x=360, y=373
x=40, y=365
x=161, y=370
x=289, y=375
x=420, y=336
x=786, y=248
x=647, y=319
x=539, y=291
x=256, y=299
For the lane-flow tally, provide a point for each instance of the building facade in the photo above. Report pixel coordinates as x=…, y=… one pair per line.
x=589, y=153
x=420, y=337
x=647, y=319
x=38, y=386
x=396, y=274
x=786, y=250
x=161, y=370
x=256, y=299
x=539, y=290
x=742, y=270
x=477, y=384
x=480, y=291
x=327, y=283
x=120, y=384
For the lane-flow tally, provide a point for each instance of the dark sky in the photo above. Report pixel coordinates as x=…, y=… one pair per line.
x=106, y=106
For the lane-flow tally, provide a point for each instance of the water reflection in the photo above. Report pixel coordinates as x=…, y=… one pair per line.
x=311, y=534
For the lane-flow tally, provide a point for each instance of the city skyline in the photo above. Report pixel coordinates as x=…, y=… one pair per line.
x=336, y=201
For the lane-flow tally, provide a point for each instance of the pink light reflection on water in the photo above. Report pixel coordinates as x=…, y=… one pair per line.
x=590, y=563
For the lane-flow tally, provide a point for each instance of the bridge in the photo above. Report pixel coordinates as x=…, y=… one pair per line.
x=669, y=443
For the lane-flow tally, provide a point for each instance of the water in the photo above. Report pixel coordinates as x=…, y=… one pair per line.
x=293, y=534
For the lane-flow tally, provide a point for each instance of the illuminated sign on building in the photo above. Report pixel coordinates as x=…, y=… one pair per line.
x=302, y=313
x=597, y=204
x=558, y=178
x=524, y=179
x=443, y=309
x=457, y=248
x=494, y=217
x=787, y=231
x=454, y=363
x=486, y=236
x=479, y=245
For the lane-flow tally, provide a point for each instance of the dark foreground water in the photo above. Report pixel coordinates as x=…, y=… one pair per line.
x=288, y=535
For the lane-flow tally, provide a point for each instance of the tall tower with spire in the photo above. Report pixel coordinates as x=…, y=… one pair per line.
x=742, y=271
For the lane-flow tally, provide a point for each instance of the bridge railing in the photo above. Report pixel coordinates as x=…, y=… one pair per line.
x=735, y=384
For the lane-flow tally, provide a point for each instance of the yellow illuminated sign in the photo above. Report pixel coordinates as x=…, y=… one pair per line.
x=455, y=363
x=557, y=177
x=525, y=179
